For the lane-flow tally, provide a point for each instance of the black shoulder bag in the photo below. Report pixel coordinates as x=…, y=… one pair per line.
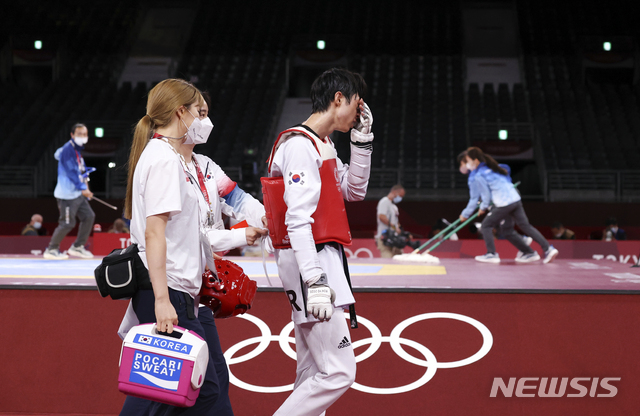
x=122, y=273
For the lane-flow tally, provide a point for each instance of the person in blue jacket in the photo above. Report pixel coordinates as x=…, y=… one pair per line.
x=492, y=183
x=506, y=225
x=72, y=194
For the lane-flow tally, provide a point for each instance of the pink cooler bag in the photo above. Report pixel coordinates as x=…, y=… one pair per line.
x=165, y=368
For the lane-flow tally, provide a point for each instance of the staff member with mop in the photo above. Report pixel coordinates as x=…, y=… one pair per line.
x=72, y=195
x=495, y=187
x=506, y=225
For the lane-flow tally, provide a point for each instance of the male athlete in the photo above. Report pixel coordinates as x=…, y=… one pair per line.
x=308, y=226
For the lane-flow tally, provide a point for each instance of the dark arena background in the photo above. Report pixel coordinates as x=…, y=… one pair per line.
x=548, y=87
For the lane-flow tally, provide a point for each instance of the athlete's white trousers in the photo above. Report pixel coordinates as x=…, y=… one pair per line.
x=326, y=366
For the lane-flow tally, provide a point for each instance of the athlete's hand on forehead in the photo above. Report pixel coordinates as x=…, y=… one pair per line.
x=364, y=119
x=359, y=108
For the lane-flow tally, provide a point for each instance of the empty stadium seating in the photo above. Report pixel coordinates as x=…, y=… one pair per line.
x=410, y=55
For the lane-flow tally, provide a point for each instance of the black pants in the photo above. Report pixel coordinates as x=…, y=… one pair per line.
x=222, y=406
x=144, y=306
x=69, y=209
x=513, y=213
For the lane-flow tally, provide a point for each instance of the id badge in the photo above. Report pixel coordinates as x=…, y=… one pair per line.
x=218, y=225
x=208, y=253
x=210, y=219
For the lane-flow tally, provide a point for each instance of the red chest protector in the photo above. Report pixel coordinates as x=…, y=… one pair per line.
x=330, y=218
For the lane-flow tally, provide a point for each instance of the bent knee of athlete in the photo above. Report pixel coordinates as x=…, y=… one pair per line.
x=344, y=377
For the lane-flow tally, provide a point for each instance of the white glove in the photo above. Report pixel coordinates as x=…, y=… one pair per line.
x=320, y=299
x=361, y=131
x=365, y=122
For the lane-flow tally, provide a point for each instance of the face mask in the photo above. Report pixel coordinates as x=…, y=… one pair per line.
x=397, y=199
x=469, y=166
x=199, y=131
x=37, y=225
x=80, y=141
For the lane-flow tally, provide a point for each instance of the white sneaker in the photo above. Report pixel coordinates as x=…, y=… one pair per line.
x=54, y=254
x=489, y=258
x=550, y=254
x=527, y=240
x=528, y=258
x=80, y=252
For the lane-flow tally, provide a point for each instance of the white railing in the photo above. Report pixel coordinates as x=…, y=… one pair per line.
x=599, y=185
x=417, y=178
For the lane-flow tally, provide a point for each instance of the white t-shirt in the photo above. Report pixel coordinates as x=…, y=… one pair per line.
x=387, y=208
x=242, y=203
x=219, y=238
x=160, y=185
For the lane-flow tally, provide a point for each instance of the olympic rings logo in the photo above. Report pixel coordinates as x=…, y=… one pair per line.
x=395, y=340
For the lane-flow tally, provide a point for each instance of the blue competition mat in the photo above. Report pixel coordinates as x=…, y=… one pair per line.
x=64, y=269
x=34, y=271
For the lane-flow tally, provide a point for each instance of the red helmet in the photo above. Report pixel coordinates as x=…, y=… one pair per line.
x=228, y=294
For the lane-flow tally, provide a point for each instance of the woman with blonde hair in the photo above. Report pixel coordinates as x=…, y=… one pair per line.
x=166, y=213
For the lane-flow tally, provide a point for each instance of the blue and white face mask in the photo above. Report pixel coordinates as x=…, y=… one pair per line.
x=397, y=199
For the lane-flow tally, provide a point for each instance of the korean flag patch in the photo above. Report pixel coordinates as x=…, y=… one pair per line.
x=144, y=339
x=296, y=178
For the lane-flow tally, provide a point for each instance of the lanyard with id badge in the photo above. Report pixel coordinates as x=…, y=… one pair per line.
x=208, y=222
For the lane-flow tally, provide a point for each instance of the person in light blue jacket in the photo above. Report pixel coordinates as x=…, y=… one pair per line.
x=506, y=227
x=72, y=194
x=492, y=184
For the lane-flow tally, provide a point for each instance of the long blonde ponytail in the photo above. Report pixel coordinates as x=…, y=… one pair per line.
x=162, y=103
x=141, y=136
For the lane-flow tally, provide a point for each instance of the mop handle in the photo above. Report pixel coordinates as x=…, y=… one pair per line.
x=446, y=237
x=435, y=237
x=104, y=203
x=460, y=227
